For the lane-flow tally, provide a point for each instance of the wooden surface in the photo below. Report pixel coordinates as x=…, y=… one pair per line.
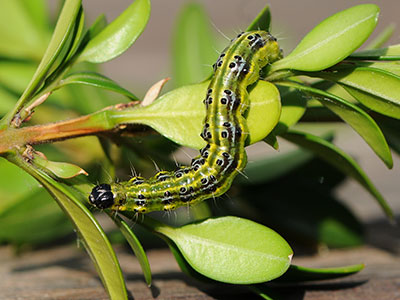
x=66, y=272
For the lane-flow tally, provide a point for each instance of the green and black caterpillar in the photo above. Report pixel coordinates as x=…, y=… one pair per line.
x=225, y=131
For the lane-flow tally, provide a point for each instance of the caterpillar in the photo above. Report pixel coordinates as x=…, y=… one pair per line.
x=211, y=173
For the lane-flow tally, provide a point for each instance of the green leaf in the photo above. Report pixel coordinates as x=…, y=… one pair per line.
x=269, y=168
x=262, y=21
x=358, y=119
x=59, y=169
x=89, y=230
x=119, y=35
x=38, y=10
x=134, y=243
x=382, y=38
x=391, y=129
x=332, y=40
x=37, y=211
x=251, y=253
x=338, y=159
x=193, y=46
x=389, y=53
x=179, y=114
x=95, y=80
x=376, y=89
x=15, y=75
x=298, y=273
x=19, y=34
x=56, y=51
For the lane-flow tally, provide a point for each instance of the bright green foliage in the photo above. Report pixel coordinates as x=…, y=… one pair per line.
x=332, y=40
x=250, y=253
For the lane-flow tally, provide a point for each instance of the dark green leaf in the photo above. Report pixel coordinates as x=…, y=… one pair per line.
x=338, y=159
x=194, y=47
x=119, y=35
x=298, y=273
x=95, y=80
x=262, y=21
x=264, y=170
x=89, y=230
x=358, y=119
x=135, y=245
x=332, y=40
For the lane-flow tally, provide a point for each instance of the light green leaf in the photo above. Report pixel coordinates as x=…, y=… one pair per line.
x=37, y=211
x=179, y=114
x=376, y=89
x=358, y=119
x=251, y=253
x=119, y=35
x=262, y=21
x=134, y=243
x=332, y=40
x=95, y=80
x=389, y=53
x=39, y=12
x=60, y=169
x=299, y=273
x=56, y=51
x=338, y=159
x=19, y=35
x=16, y=75
x=193, y=46
x=89, y=230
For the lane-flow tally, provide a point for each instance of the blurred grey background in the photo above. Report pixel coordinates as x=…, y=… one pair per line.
x=148, y=60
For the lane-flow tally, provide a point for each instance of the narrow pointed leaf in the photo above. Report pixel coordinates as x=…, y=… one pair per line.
x=232, y=258
x=299, y=273
x=338, y=159
x=358, y=119
x=95, y=80
x=119, y=35
x=194, y=47
x=262, y=21
x=179, y=114
x=376, y=89
x=56, y=51
x=382, y=38
x=332, y=40
x=89, y=230
x=388, y=53
x=60, y=169
x=135, y=244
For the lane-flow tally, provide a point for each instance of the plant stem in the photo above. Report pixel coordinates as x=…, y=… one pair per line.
x=105, y=120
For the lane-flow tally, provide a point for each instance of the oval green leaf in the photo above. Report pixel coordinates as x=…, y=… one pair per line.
x=358, y=119
x=60, y=169
x=250, y=253
x=193, y=46
x=179, y=114
x=332, y=40
x=340, y=160
x=119, y=35
x=95, y=80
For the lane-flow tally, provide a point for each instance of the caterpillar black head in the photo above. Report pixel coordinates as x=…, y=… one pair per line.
x=101, y=196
